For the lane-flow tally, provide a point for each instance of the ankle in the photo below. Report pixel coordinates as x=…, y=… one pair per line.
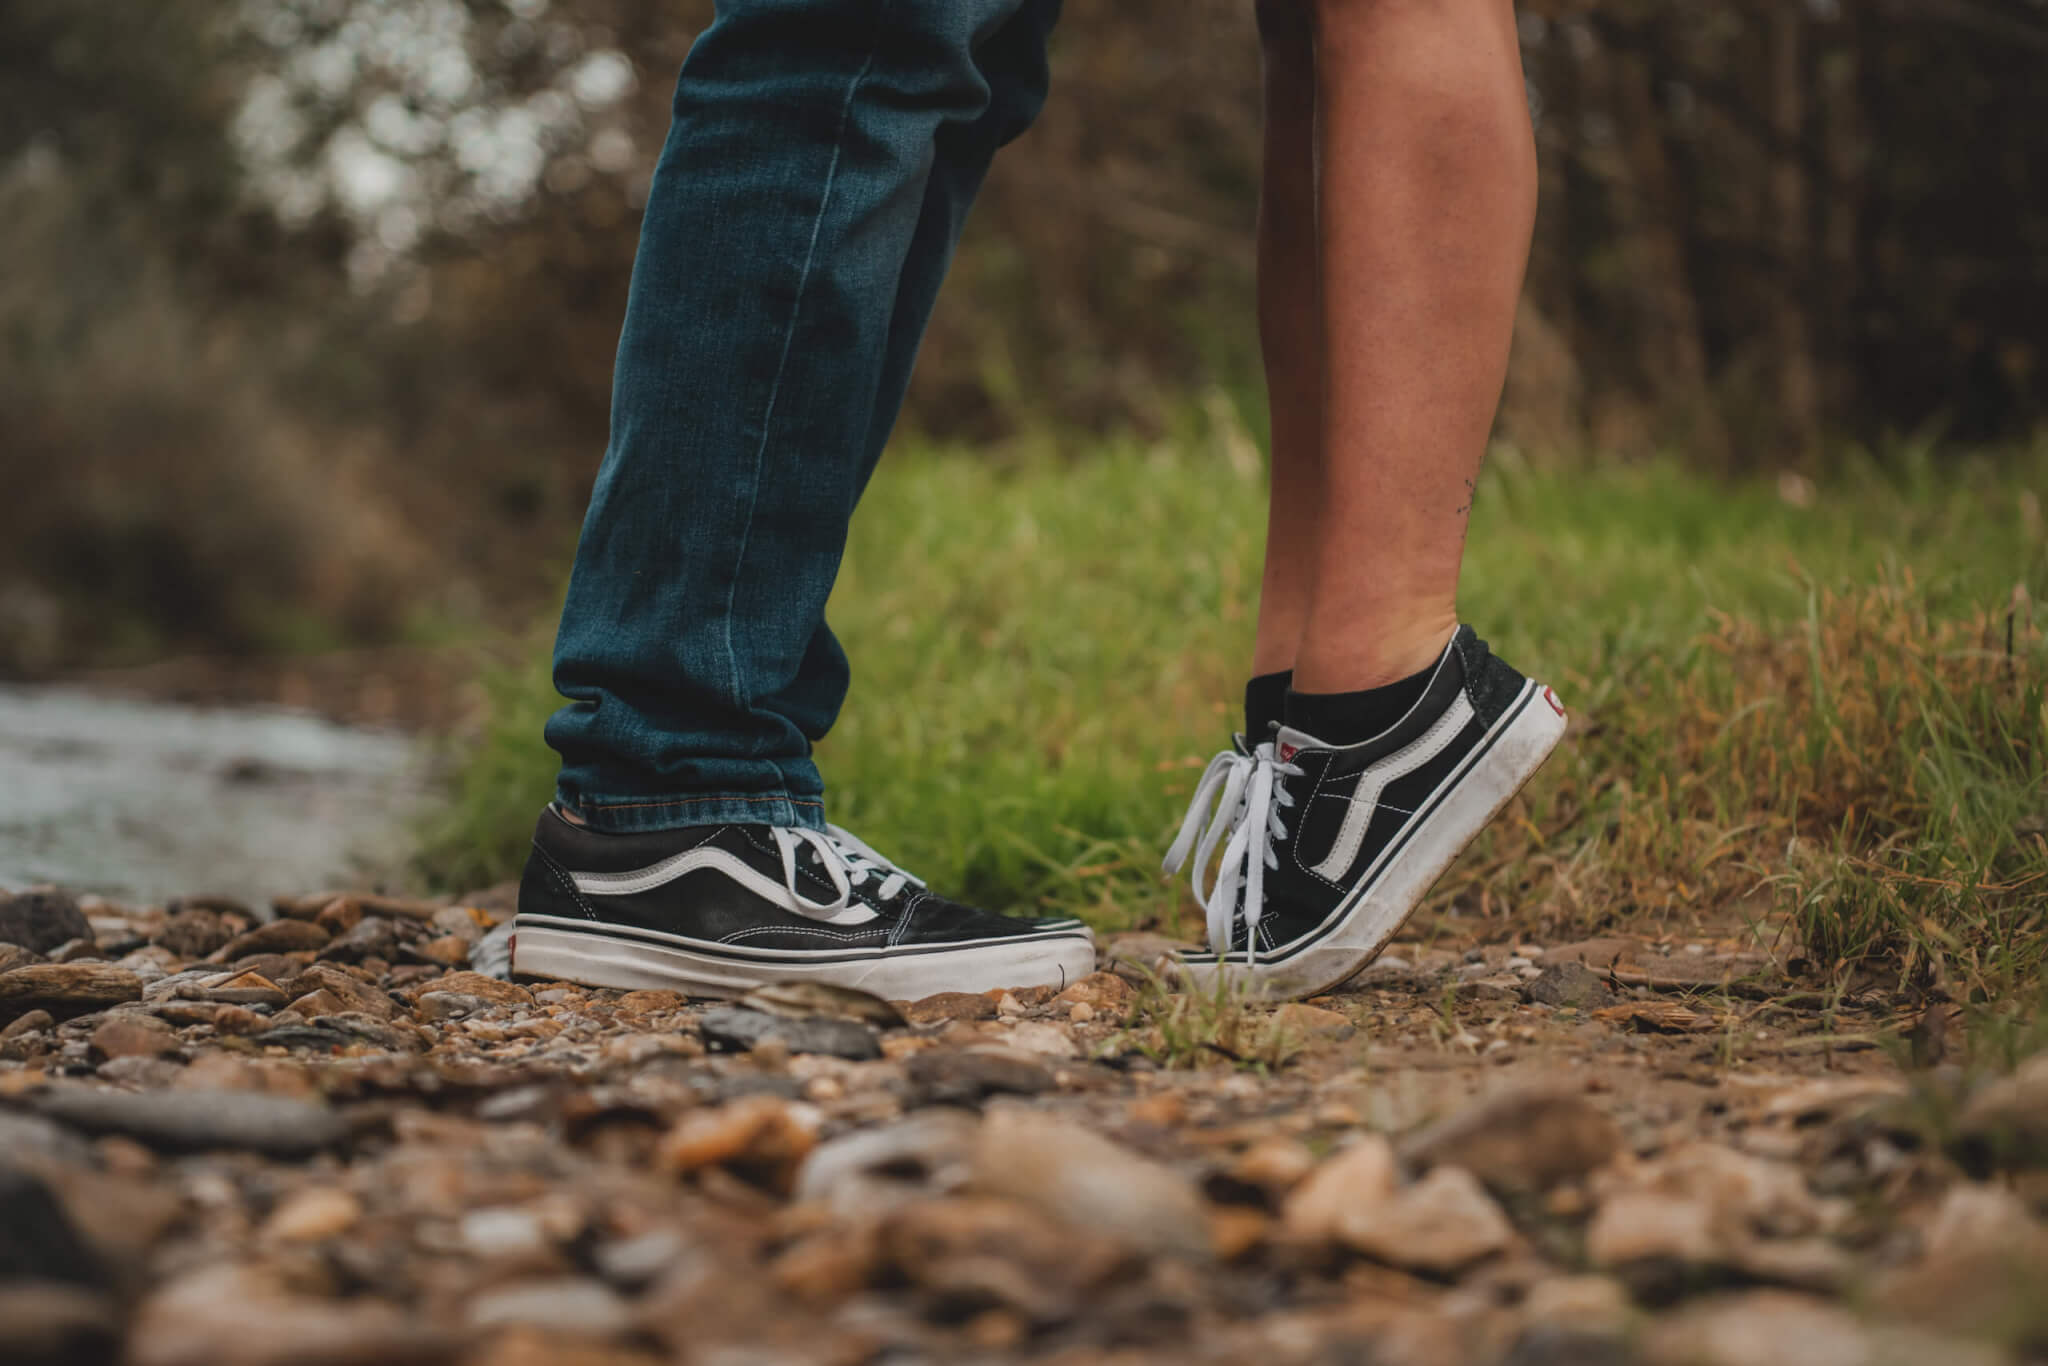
x=1353, y=665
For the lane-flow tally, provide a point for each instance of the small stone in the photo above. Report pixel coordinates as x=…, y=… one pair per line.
x=461, y=922
x=1569, y=982
x=37, y=1237
x=449, y=950
x=950, y=1005
x=48, y=1323
x=28, y=1024
x=504, y=1233
x=196, y=933
x=1984, y=1260
x=2005, y=1125
x=1440, y=1225
x=1273, y=1166
x=978, y=1251
x=1525, y=1139
x=1591, y=1305
x=436, y=1007
x=308, y=1216
x=943, y=1076
x=42, y=919
x=1104, y=992
x=1777, y=1328
x=279, y=936
x=1360, y=1177
x=243, y=989
x=1299, y=1021
x=634, y=1262
x=737, y=1029
x=635, y=1004
x=1044, y=1038
x=803, y=1000
x=874, y=1170
x=128, y=1034
x=198, y=1120
x=340, y=915
x=231, y=1315
x=371, y=936
x=14, y=956
x=1080, y=1012
x=355, y=995
x=65, y=989
x=1082, y=1179
x=489, y=988
x=758, y=1137
x=1648, y=1227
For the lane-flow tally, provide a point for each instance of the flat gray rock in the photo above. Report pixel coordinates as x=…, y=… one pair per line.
x=193, y=1121
x=738, y=1030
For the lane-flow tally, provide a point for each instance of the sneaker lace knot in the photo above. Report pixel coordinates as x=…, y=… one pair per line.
x=1241, y=798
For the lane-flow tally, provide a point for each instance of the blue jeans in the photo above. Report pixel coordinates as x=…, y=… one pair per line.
x=821, y=160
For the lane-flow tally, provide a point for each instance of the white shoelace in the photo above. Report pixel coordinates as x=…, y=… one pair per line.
x=844, y=860
x=1241, y=798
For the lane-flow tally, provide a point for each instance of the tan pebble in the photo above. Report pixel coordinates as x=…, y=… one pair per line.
x=340, y=915
x=828, y=1268
x=1080, y=1012
x=448, y=950
x=28, y=1024
x=949, y=1005
x=1236, y=1230
x=1105, y=991
x=904, y=1045
x=764, y=1137
x=1006, y=1004
x=488, y=988
x=771, y=1054
x=1299, y=1021
x=1360, y=1177
x=824, y=1089
x=648, y=1002
x=1439, y=1225
x=307, y=1216
x=1167, y=1110
x=995, y=1330
x=1273, y=1165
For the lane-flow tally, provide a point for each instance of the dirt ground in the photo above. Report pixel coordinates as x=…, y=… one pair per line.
x=326, y=1138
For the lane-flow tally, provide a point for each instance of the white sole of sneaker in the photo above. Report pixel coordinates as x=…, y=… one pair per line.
x=570, y=951
x=1469, y=800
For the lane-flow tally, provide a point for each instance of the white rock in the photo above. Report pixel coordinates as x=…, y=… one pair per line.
x=1441, y=1224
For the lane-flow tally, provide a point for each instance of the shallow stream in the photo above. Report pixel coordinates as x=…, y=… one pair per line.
x=144, y=800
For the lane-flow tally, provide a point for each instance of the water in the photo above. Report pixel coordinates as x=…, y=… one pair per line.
x=141, y=801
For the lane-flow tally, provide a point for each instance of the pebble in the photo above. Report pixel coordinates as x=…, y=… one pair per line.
x=488, y=988
x=48, y=1323
x=309, y=1216
x=950, y=1005
x=231, y=1315
x=1361, y=1176
x=130, y=1034
x=65, y=990
x=42, y=919
x=28, y=1024
x=803, y=1000
x=1042, y=1037
x=2005, y=1125
x=965, y=1077
x=279, y=936
x=759, y=1137
x=1440, y=1225
x=1080, y=1178
x=568, y=1305
x=1104, y=992
x=197, y=1120
x=1527, y=1138
x=873, y=1170
x=1569, y=982
x=243, y=989
x=435, y=1007
x=1300, y=1021
x=1778, y=1328
x=197, y=933
x=38, y=1240
x=738, y=1029
x=631, y=1263
x=1273, y=1166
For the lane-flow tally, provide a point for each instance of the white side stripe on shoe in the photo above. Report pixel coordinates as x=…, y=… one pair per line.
x=1365, y=798
x=669, y=869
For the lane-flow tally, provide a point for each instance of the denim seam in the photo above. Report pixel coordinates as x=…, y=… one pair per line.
x=803, y=280
x=698, y=801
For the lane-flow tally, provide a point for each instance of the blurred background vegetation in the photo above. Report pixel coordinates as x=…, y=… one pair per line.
x=308, y=306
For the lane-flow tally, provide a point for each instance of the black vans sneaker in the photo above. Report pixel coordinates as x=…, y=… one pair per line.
x=716, y=910
x=1327, y=850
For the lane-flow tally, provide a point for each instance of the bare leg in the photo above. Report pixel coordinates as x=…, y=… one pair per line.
x=1428, y=196
x=1290, y=327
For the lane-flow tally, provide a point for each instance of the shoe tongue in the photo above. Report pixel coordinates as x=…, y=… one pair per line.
x=1288, y=742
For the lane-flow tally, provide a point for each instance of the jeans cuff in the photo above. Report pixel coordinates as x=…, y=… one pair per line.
x=636, y=815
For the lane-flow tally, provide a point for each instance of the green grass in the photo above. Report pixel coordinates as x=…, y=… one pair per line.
x=1778, y=708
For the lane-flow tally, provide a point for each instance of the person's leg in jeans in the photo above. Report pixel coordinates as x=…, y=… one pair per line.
x=1400, y=734
x=819, y=165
